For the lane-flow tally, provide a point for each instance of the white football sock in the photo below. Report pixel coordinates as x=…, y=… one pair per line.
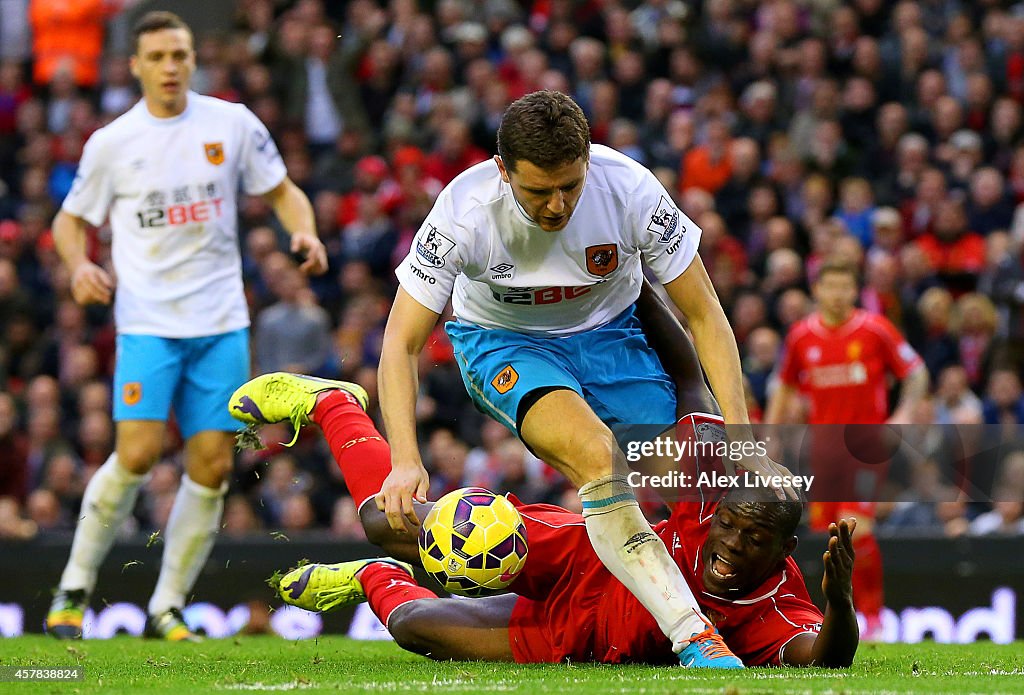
x=109, y=499
x=191, y=530
x=631, y=551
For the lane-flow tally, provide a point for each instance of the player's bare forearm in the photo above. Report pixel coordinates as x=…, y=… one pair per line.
x=90, y=284
x=409, y=325
x=695, y=296
x=716, y=347
x=69, y=239
x=836, y=644
x=913, y=390
x=295, y=213
x=779, y=405
x=292, y=207
x=398, y=385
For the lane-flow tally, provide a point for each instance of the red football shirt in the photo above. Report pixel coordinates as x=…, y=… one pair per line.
x=570, y=608
x=843, y=369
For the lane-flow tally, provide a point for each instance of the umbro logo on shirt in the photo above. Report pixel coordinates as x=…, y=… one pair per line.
x=502, y=271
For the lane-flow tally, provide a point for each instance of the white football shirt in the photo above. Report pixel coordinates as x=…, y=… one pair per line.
x=170, y=188
x=502, y=270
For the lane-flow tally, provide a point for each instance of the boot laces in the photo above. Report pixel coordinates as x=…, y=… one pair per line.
x=711, y=644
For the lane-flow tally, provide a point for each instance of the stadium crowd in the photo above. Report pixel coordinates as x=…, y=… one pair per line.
x=889, y=134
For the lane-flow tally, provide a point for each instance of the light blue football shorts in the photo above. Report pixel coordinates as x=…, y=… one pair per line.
x=194, y=376
x=612, y=367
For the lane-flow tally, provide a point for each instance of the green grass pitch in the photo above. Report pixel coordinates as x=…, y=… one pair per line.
x=337, y=664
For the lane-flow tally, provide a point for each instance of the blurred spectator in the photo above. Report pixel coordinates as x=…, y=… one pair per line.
x=372, y=180
x=887, y=234
x=119, y=92
x=455, y=152
x=282, y=481
x=974, y=325
x=447, y=463
x=1004, y=401
x=760, y=355
x=14, y=473
x=95, y=438
x=296, y=513
x=62, y=478
x=880, y=294
x=370, y=237
x=12, y=525
x=293, y=334
x=856, y=209
x=731, y=198
x=955, y=403
x=931, y=335
x=989, y=209
x=68, y=37
x=239, y=517
x=923, y=506
x=44, y=510
x=956, y=252
x=709, y=165
x=159, y=491
x=345, y=523
x=1007, y=514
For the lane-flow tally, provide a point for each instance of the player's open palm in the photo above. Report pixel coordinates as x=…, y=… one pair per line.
x=837, y=582
x=91, y=284
x=403, y=485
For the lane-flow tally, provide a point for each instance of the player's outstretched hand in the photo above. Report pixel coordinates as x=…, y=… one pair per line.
x=90, y=284
x=313, y=250
x=837, y=583
x=402, y=486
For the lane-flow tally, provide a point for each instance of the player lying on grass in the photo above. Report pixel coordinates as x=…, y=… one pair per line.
x=734, y=551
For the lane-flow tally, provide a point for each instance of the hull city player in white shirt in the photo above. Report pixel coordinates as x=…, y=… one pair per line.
x=540, y=250
x=479, y=248
x=166, y=175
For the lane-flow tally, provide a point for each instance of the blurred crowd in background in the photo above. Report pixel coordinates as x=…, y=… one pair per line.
x=790, y=131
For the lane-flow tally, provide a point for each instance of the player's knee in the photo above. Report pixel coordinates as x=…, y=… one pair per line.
x=138, y=456
x=415, y=631
x=210, y=471
x=593, y=458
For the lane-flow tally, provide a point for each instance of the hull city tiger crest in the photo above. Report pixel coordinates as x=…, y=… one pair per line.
x=506, y=380
x=214, y=152
x=602, y=259
x=132, y=393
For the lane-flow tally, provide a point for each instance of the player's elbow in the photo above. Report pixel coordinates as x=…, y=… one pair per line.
x=375, y=525
x=834, y=662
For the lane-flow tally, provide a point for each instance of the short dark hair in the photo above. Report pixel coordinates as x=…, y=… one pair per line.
x=838, y=266
x=546, y=128
x=784, y=515
x=156, y=21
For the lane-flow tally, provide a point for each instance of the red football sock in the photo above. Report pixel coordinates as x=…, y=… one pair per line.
x=361, y=453
x=387, y=587
x=868, y=588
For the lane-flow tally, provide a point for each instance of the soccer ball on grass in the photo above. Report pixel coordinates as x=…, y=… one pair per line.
x=473, y=542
